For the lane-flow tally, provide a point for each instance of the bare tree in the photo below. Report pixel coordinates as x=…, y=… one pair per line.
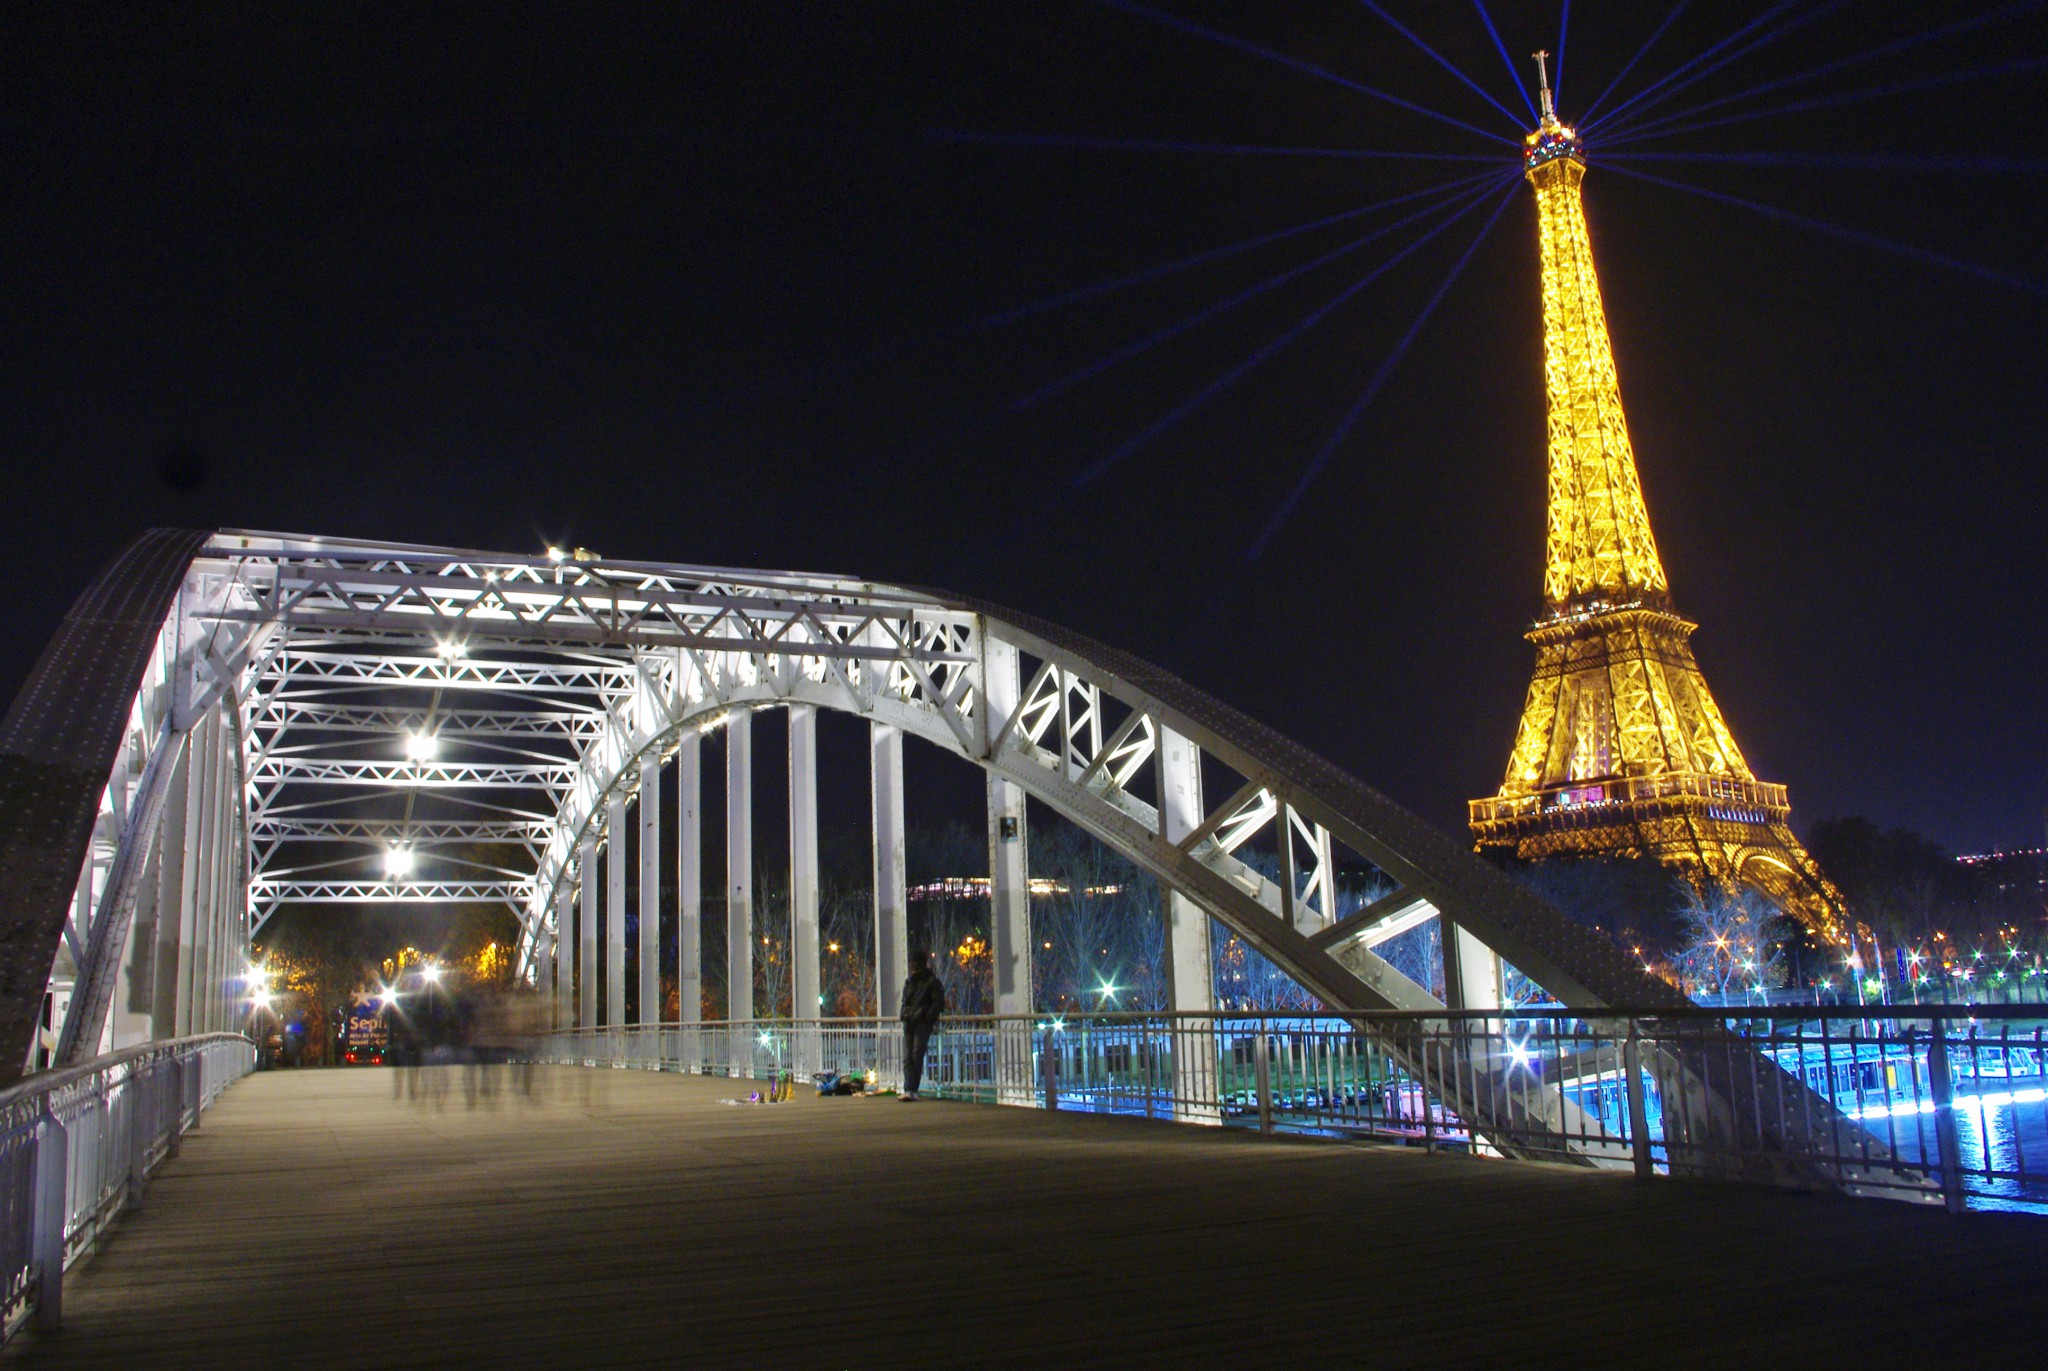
x=1730, y=941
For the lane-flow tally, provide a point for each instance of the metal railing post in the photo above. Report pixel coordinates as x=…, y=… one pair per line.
x=1049, y=1069
x=1422, y=1091
x=1638, y=1107
x=46, y=1236
x=1948, y=1147
x=174, y=1125
x=1262, y=1077
x=139, y=1131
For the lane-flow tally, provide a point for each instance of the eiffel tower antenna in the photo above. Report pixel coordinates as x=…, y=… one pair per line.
x=1549, y=120
x=1621, y=749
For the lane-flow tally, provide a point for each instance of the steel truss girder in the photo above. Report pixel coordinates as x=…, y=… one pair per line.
x=265, y=896
x=296, y=770
x=556, y=603
x=413, y=831
x=395, y=721
x=297, y=672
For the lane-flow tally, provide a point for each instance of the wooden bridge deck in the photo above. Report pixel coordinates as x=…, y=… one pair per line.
x=615, y=1218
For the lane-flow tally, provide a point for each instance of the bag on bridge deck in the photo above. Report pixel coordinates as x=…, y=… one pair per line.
x=833, y=1083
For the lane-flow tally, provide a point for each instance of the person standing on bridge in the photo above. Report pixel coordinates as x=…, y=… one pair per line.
x=924, y=1000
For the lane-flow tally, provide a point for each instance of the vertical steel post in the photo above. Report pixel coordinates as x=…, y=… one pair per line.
x=1948, y=1146
x=690, y=880
x=1191, y=976
x=565, y=953
x=615, y=910
x=544, y=971
x=803, y=884
x=192, y=958
x=1010, y=896
x=1638, y=1105
x=179, y=968
x=892, y=933
x=739, y=886
x=170, y=874
x=649, y=951
x=1009, y=890
x=586, y=936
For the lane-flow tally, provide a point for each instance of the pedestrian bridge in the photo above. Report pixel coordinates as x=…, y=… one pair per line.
x=229, y=723
x=581, y=1217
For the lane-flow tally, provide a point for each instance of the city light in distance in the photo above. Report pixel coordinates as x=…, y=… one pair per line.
x=431, y=973
x=451, y=650
x=398, y=861
x=421, y=746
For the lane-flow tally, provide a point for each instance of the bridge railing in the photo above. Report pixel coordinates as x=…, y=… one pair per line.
x=77, y=1146
x=1932, y=1104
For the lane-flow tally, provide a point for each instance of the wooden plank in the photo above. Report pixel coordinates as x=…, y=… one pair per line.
x=373, y=1217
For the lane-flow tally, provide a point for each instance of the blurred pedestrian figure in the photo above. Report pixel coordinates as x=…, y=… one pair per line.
x=924, y=1000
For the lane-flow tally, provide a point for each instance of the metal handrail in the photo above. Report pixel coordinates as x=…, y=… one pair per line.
x=1874, y=1013
x=77, y=1147
x=1932, y=1103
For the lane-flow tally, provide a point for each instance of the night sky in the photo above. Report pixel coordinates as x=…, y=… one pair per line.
x=721, y=283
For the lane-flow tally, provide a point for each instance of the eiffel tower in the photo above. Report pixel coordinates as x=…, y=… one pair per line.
x=1621, y=748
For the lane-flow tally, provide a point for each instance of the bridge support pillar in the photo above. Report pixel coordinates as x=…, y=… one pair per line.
x=690, y=893
x=193, y=956
x=1009, y=891
x=892, y=919
x=803, y=886
x=565, y=954
x=739, y=887
x=1190, y=967
x=586, y=938
x=649, y=951
x=173, y=910
x=615, y=911
x=544, y=969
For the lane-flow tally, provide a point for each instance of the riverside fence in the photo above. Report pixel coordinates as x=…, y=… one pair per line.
x=1937, y=1105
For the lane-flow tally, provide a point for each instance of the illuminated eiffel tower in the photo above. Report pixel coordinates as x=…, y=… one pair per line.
x=1621, y=749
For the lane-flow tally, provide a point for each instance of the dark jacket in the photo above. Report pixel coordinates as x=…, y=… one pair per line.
x=924, y=998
